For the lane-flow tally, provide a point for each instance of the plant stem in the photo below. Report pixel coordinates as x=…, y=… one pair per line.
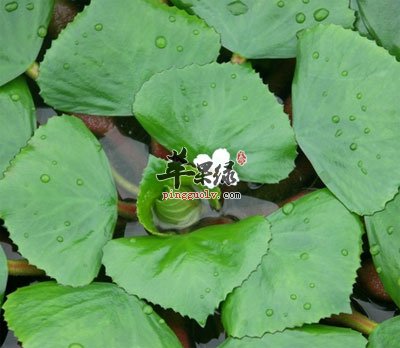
x=355, y=320
x=33, y=71
x=127, y=210
x=238, y=59
x=23, y=268
x=125, y=184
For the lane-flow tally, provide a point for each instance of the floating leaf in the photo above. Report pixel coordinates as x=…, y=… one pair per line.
x=23, y=25
x=219, y=106
x=307, y=274
x=344, y=121
x=307, y=336
x=59, y=201
x=17, y=119
x=189, y=273
x=97, y=315
x=267, y=29
x=383, y=230
x=386, y=334
x=97, y=66
x=3, y=273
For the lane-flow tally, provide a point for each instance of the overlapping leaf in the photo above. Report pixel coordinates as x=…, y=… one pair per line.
x=345, y=122
x=97, y=315
x=189, y=273
x=307, y=274
x=58, y=201
x=386, y=334
x=97, y=66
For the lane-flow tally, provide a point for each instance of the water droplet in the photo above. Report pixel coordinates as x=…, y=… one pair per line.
x=352, y=118
x=75, y=345
x=98, y=27
x=132, y=240
x=26, y=235
x=364, y=108
x=79, y=182
x=60, y=239
x=364, y=171
x=304, y=256
x=335, y=119
x=43, y=137
x=306, y=1
x=280, y=4
x=360, y=164
x=196, y=32
x=15, y=97
x=213, y=85
x=321, y=14
x=208, y=290
x=233, y=76
x=172, y=19
x=375, y=250
x=54, y=163
x=42, y=31
x=202, y=296
x=306, y=220
x=44, y=178
x=311, y=285
x=390, y=230
x=293, y=297
x=66, y=66
x=67, y=223
x=186, y=118
x=307, y=306
x=324, y=93
x=76, y=42
x=269, y=312
x=161, y=42
x=300, y=17
x=216, y=274
x=245, y=97
x=315, y=55
x=288, y=208
x=11, y=6
x=359, y=95
x=225, y=241
x=161, y=321
x=179, y=48
x=345, y=252
x=204, y=103
x=367, y=130
x=353, y=146
x=237, y=8
x=345, y=73
x=378, y=156
x=84, y=35
x=30, y=6
x=378, y=270
x=338, y=133
x=327, y=59
x=147, y=309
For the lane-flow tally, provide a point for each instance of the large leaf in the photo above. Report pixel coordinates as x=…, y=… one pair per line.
x=383, y=230
x=345, y=122
x=189, y=273
x=97, y=315
x=3, y=273
x=308, y=336
x=267, y=29
x=23, y=25
x=307, y=274
x=386, y=334
x=58, y=201
x=219, y=106
x=17, y=119
x=382, y=21
x=100, y=61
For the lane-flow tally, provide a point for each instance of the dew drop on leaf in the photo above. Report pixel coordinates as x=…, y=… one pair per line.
x=60, y=239
x=179, y=48
x=67, y=223
x=300, y=17
x=196, y=32
x=293, y=297
x=15, y=97
x=269, y=312
x=360, y=164
x=11, y=6
x=161, y=42
x=204, y=103
x=390, y=230
x=245, y=97
x=306, y=1
x=54, y=163
x=161, y=321
x=353, y=146
x=172, y=19
x=338, y=133
x=43, y=137
x=147, y=309
x=378, y=156
x=367, y=130
x=359, y=95
x=306, y=220
x=42, y=31
x=288, y=208
x=75, y=345
x=26, y=235
x=280, y=4
x=213, y=85
x=345, y=73
x=216, y=274
x=315, y=55
x=364, y=171
x=186, y=118
x=307, y=306
x=66, y=66
x=378, y=270
x=352, y=118
x=44, y=178
x=321, y=14
x=375, y=249
x=202, y=296
x=345, y=252
x=98, y=27
x=30, y=6
x=237, y=8
x=233, y=76
x=304, y=256
x=364, y=108
x=311, y=285
x=79, y=182
x=208, y=290
x=335, y=119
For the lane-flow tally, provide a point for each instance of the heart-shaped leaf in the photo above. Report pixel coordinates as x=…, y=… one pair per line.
x=308, y=272
x=23, y=25
x=345, y=122
x=305, y=337
x=59, y=201
x=96, y=66
x=267, y=29
x=3, y=273
x=386, y=334
x=97, y=315
x=189, y=273
x=204, y=108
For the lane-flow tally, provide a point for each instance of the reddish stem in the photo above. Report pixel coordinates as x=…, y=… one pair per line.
x=23, y=268
x=355, y=320
x=127, y=210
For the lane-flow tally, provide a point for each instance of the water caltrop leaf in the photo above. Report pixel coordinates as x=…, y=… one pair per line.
x=345, y=123
x=3, y=273
x=23, y=25
x=307, y=274
x=59, y=201
x=305, y=337
x=97, y=65
x=97, y=315
x=267, y=29
x=383, y=229
x=386, y=334
x=190, y=273
x=17, y=119
x=204, y=108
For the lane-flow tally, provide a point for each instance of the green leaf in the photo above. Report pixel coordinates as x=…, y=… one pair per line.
x=100, y=61
x=59, y=201
x=305, y=337
x=3, y=273
x=307, y=274
x=383, y=230
x=386, y=334
x=359, y=23
x=17, y=119
x=97, y=315
x=23, y=25
x=382, y=21
x=204, y=108
x=190, y=273
x=344, y=121
x=267, y=29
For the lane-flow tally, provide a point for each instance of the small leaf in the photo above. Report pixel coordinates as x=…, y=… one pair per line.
x=3, y=273
x=267, y=29
x=345, y=122
x=17, y=119
x=305, y=337
x=59, y=201
x=100, y=61
x=23, y=25
x=205, y=108
x=97, y=315
x=189, y=273
x=307, y=274
x=386, y=334
x=383, y=230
